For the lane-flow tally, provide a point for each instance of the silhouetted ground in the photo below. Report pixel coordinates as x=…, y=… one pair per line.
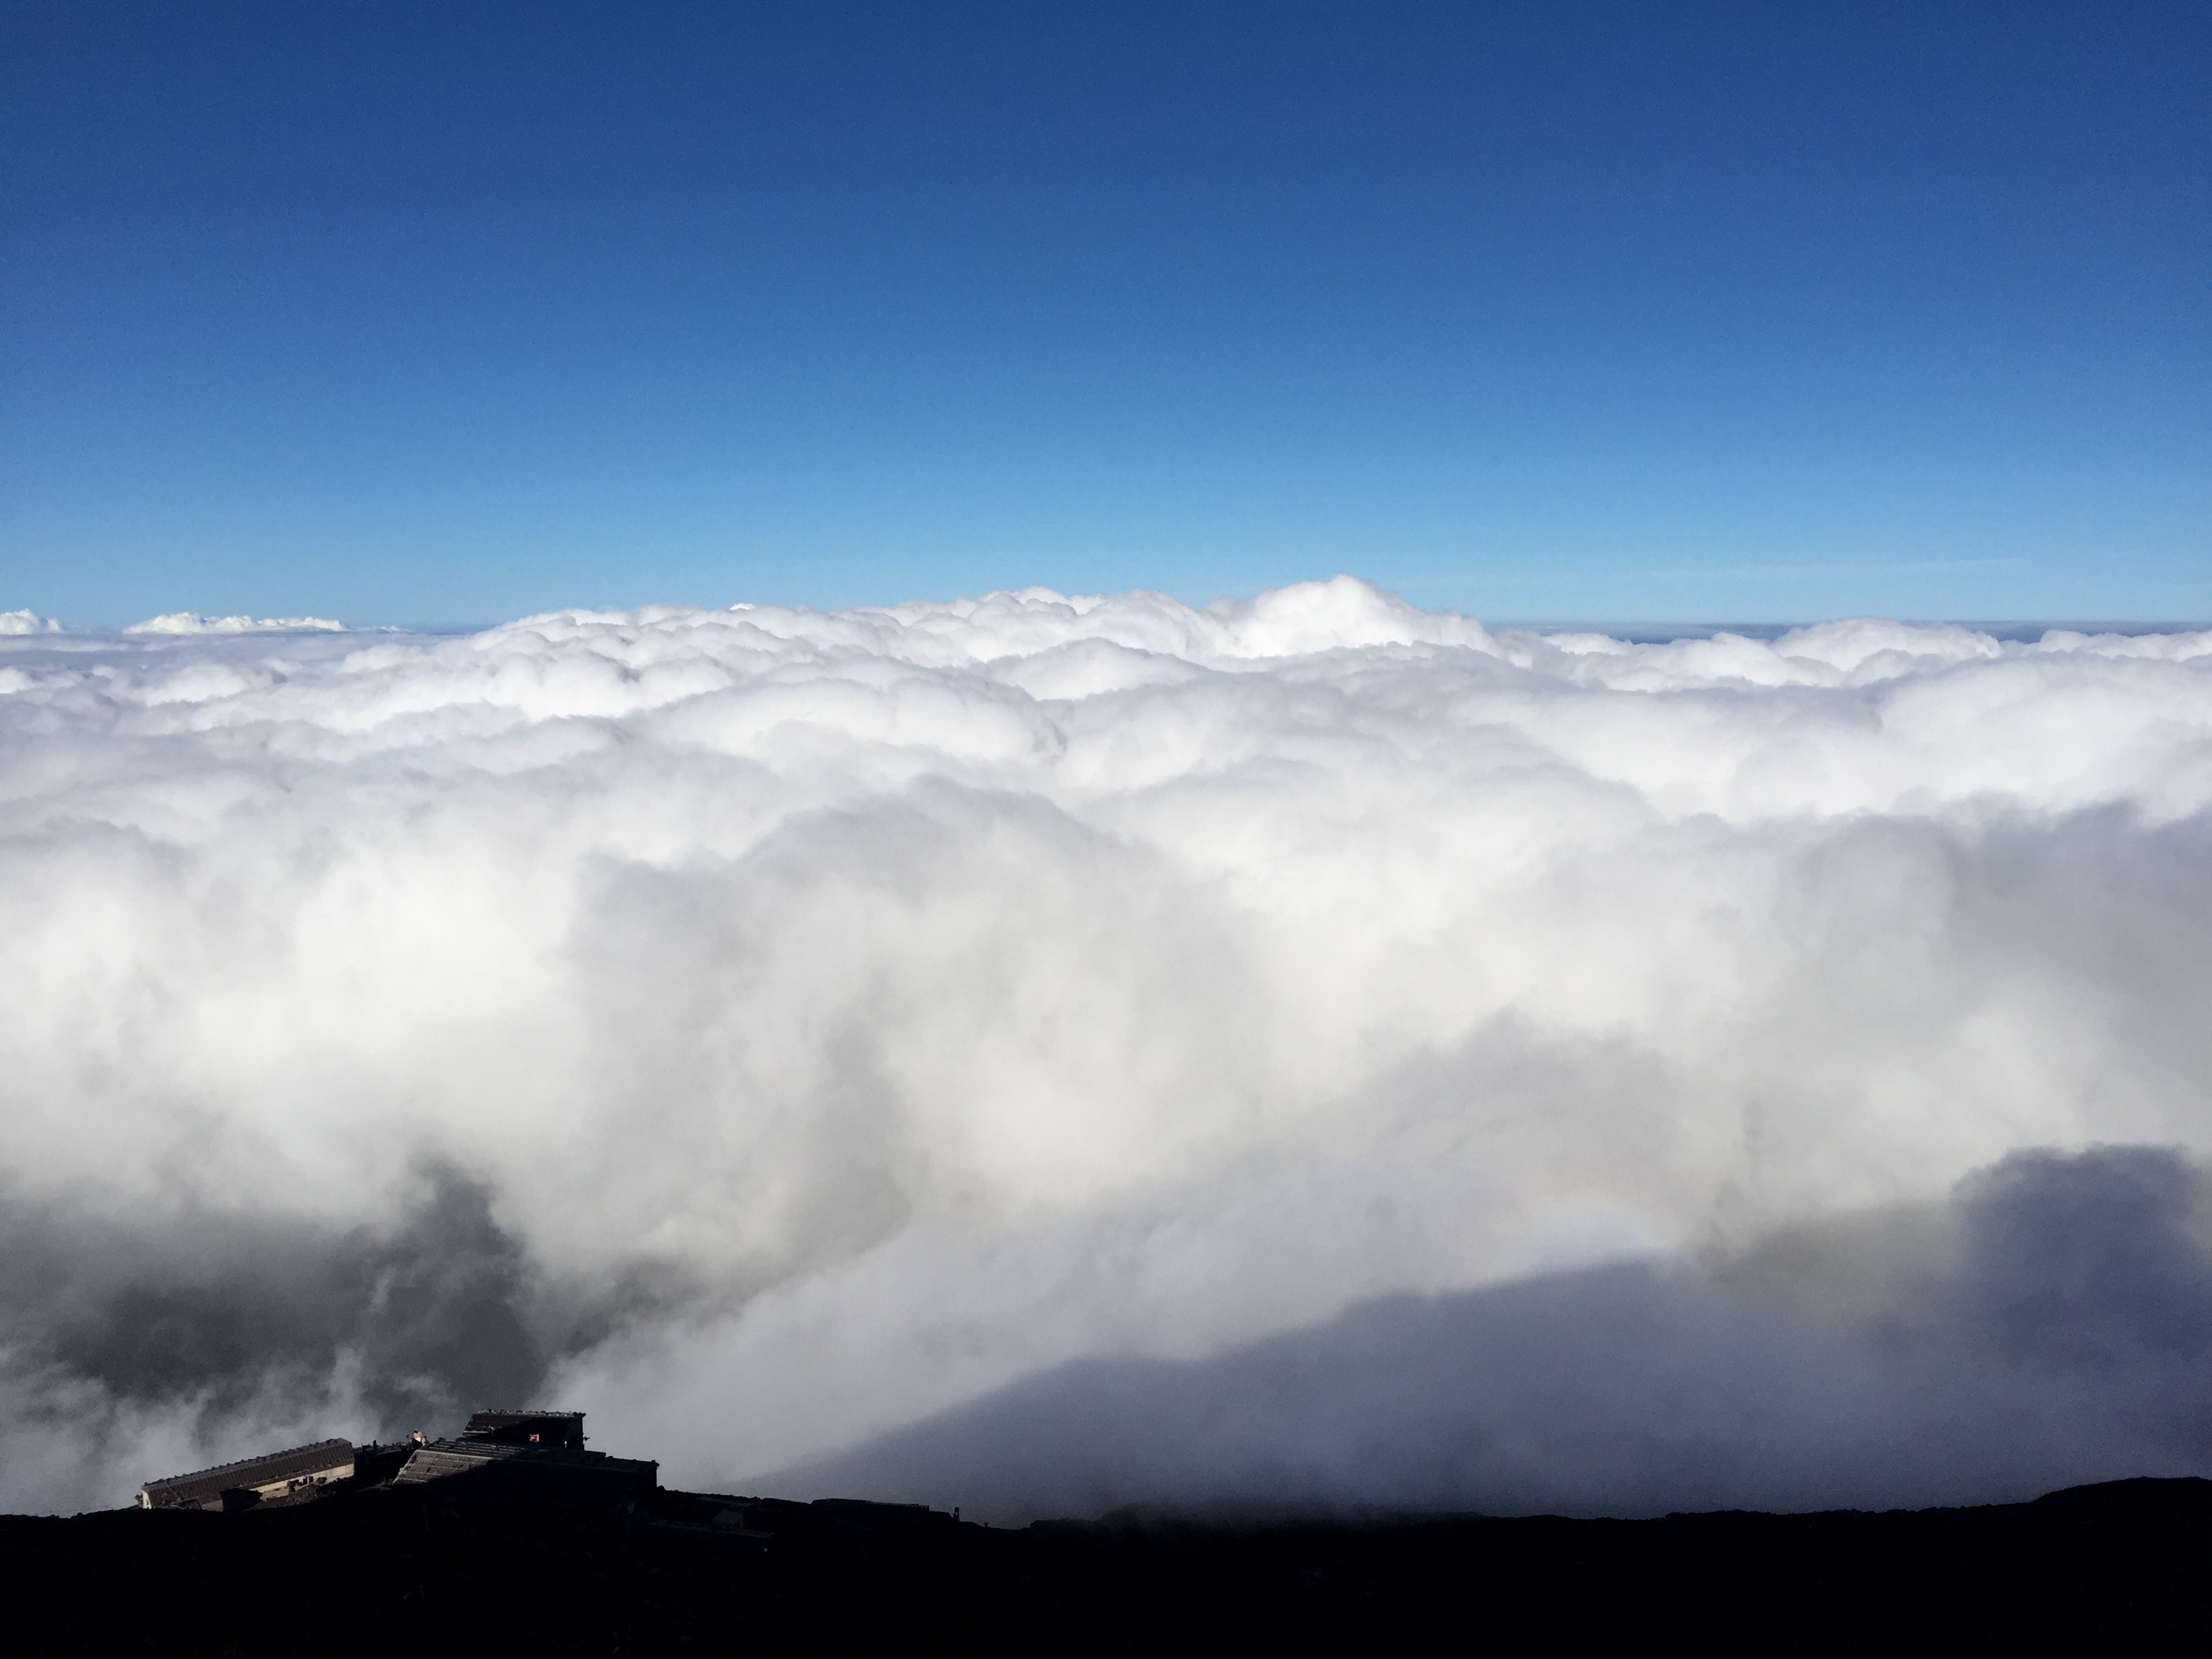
x=2114, y=1568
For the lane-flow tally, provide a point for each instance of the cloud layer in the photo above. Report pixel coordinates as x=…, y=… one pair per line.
x=2049, y=1325
x=777, y=1027
x=191, y=622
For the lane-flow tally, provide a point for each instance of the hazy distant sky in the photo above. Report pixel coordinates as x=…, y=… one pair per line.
x=446, y=313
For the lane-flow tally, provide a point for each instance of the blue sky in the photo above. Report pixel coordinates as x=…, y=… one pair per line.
x=443, y=314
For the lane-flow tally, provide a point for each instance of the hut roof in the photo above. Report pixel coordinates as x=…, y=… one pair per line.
x=286, y=1465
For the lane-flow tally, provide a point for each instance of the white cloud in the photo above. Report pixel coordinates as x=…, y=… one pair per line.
x=848, y=1013
x=188, y=622
x=27, y=621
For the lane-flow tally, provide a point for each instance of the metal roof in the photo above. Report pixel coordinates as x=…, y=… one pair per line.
x=286, y=1465
x=548, y=1471
x=552, y=1428
x=497, y=1415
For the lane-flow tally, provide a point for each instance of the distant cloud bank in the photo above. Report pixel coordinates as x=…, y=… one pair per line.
x=1343, y=1054
x=187, y=622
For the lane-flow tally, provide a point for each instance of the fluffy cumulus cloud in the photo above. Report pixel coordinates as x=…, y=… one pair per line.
x=1060, y=1052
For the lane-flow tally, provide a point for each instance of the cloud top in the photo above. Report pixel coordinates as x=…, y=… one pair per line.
x=854, y=1013
x=188, y=622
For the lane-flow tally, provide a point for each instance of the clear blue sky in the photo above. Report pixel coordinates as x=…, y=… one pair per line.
x=451, y=312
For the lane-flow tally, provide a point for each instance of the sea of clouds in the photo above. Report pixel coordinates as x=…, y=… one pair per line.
x=1047, y=1054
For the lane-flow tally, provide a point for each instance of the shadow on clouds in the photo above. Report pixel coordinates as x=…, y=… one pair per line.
x=2048, y=1324
x=259, y=1317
